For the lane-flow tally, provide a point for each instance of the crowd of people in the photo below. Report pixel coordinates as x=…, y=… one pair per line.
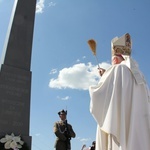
x=92, y=147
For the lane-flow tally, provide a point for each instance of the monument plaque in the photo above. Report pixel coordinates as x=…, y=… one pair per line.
x=15, y=74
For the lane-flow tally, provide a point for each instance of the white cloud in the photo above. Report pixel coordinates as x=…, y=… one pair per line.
x=104, y=65
x=84, y=57
x=64, y=98
x=40, y=6
x=51, y=4
x=79, y=76
x=78, y=60
x=85, y=140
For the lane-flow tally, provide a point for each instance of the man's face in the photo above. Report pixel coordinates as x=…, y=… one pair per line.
x=62, y=116
x=116, y=60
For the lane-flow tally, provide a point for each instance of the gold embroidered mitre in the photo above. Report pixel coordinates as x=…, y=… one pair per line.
x=121, y=45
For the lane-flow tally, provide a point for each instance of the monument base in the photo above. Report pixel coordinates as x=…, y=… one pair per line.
x=26, y=139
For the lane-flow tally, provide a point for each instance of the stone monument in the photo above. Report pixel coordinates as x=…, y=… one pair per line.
x=15, y=74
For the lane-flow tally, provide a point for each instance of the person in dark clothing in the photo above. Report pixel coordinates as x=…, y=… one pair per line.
x=64, y=132
x=93, y=146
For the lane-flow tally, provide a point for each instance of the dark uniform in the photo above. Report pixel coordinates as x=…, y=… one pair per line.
x=64, y=132
x=93, y=146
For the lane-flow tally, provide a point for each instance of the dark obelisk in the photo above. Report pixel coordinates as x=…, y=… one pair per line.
x=15, y=74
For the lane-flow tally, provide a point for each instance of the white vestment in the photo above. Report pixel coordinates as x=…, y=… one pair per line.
x=120, y=104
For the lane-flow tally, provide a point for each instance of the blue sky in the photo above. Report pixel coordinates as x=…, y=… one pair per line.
x=62, y=65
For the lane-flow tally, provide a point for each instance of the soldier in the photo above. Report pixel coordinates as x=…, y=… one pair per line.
x=64, y=132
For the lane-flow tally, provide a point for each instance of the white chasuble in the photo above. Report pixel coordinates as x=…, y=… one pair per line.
x=121, y=108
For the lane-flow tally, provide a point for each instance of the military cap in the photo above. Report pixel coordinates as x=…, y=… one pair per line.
x=62, y=112
x=121, y=45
